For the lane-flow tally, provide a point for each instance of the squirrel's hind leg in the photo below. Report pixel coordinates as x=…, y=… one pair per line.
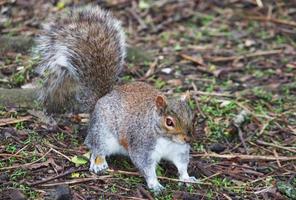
x=98, y=163
x=96, y=142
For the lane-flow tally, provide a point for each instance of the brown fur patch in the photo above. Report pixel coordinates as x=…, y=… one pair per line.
x=99, y=160
x=124, y=143
x=184, y=138
x=160, y=102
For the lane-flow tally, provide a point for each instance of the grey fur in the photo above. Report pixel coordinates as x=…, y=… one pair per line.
x=127, y=121
x=82, y=54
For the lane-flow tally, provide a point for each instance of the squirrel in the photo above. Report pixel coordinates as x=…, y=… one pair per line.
x=82, y=55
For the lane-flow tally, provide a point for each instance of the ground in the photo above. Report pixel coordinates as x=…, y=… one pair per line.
x=236, y=57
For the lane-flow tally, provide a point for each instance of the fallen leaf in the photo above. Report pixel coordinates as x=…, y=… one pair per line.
x=79, y=160
x=75, y=175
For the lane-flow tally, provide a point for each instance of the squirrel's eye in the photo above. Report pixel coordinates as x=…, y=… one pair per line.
x=169, y=122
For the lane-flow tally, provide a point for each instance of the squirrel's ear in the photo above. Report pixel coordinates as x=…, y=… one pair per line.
x=185, y=97
x=160, y=102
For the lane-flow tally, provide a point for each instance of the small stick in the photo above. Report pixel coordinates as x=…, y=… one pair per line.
x=231, y=58
x=118, y=195
x=277, y=160
x=226, y=196
x=246, y=157
x=138, y=18
x=152, y=68
x=240, y=134
x=145, y=193
x=20, y=150
x=212, y=94
x=160, y=177
x=197, y=102
x=273, y=20
x=27, y=164
x=56, y=151
x=201, y=69
x=7, y=121
x=194, y=60
x=82, y=180
x=209, y=177
x=292, y=129
x=56, y=177
x=10, y=155
x=276, y=146
x=264, y=127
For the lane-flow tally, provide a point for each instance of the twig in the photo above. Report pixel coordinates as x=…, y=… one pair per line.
x=273, y=20
x=237, y=122
x=226, y=196
x=293, y=130
x=56, y=151
x=209, y=177
x=246, y=157
x=151, y=70
x=119, y=196
x=82, y=180
x=211, y=94
x=197, y=102
x=79, y=196
x=194, y=60
x=160, y=177
x=240, y=134
x=277, y=160
x=10, y=155
x=275, y=145
x=264, y=127
x=7, y=121
x=145, y=193
x=56, y=177
x=21, y=150
x=239, y=57
x=27, y=164
x=264, y=190
x=138, y=18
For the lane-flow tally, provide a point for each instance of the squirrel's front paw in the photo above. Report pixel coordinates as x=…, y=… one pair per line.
x=98, y=165
x=191, y=179
x=156, y=187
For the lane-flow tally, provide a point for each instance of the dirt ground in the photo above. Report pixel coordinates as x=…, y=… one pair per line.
x=236, y=57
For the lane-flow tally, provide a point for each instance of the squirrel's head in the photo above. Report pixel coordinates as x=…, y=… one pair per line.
x=176, y=118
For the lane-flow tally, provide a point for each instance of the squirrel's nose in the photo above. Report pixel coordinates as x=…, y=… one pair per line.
x=186, y=138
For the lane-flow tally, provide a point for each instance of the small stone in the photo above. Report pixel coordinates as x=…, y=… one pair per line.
x=4, y=177
x=166, y=70
x=249, y=43
x=175, y=82
x=217, y=148
x=16, y=195
x=61, y=192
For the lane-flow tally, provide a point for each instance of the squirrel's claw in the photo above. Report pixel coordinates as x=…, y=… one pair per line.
x=192, y=179
x=189, y=180
x=156, y=188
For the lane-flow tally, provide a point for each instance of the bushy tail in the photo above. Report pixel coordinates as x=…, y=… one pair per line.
x=82, y=55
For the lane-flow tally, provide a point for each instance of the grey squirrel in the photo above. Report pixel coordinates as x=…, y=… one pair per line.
x=82, y=55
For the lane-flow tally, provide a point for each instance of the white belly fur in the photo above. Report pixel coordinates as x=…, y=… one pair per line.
x=168, y=150
x=113, y=145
